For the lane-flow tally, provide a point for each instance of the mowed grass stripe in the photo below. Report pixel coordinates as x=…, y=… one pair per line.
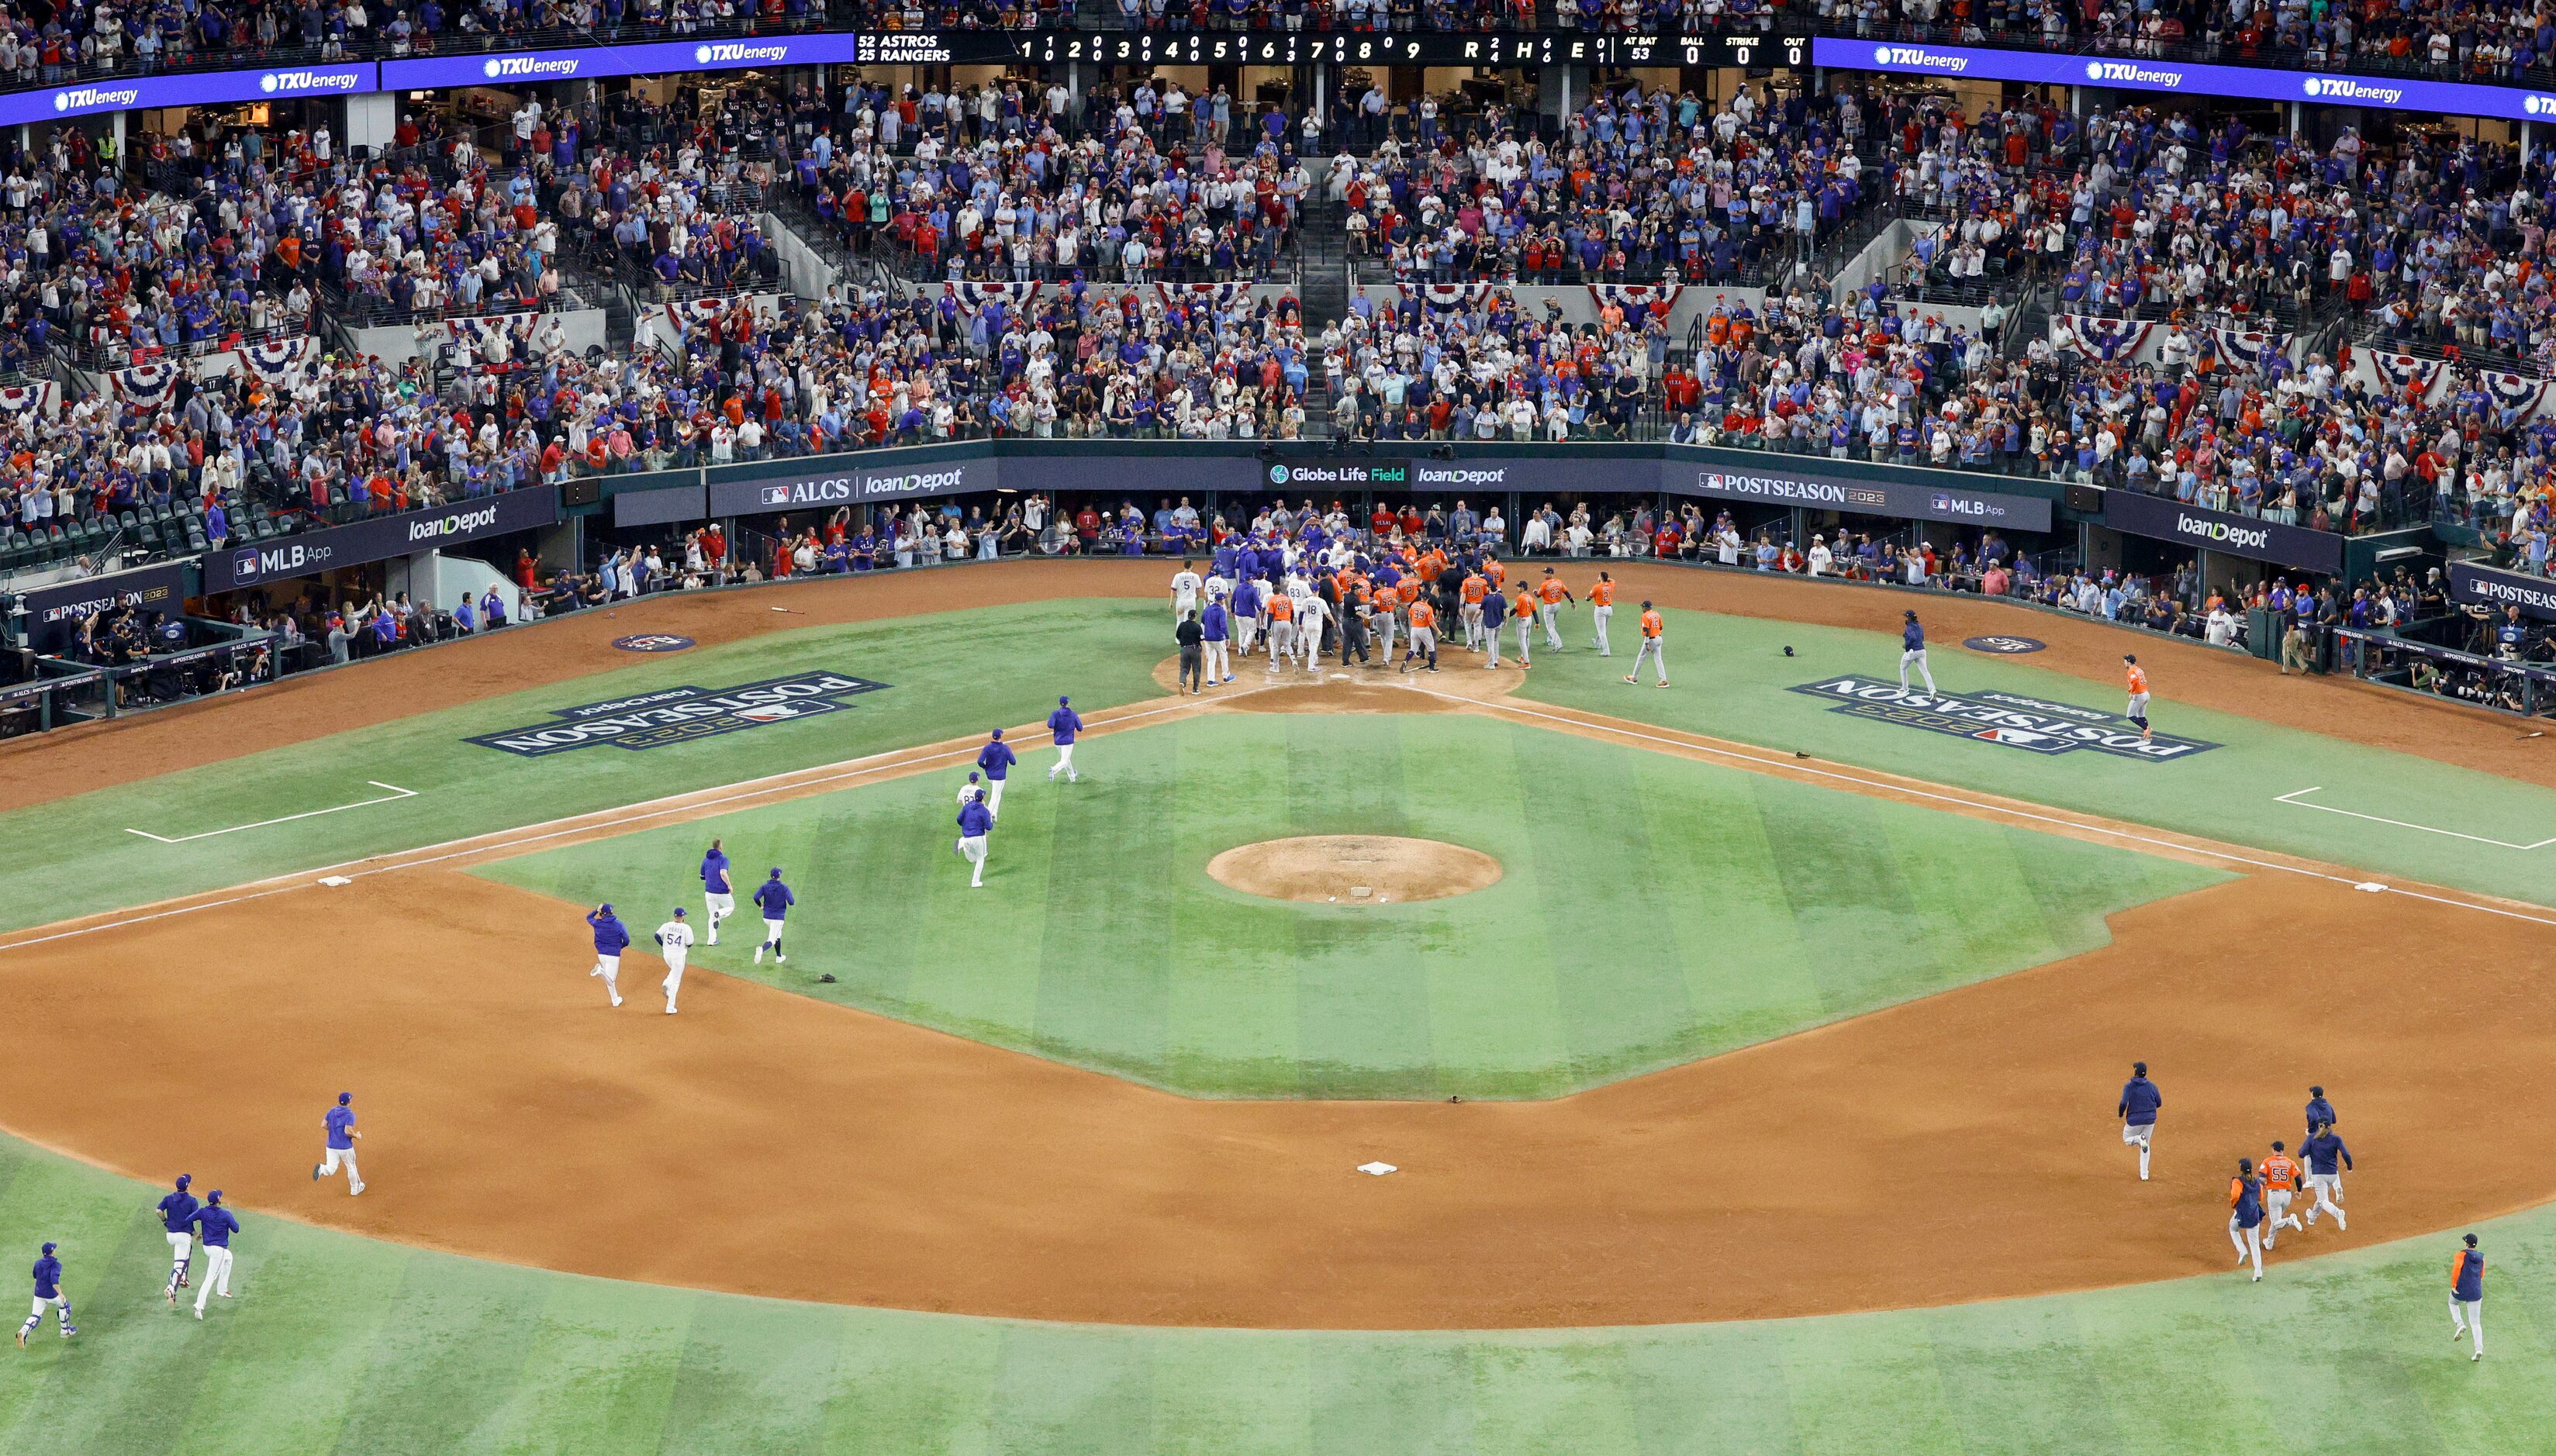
x=1235, y=1019
x=601, y=1371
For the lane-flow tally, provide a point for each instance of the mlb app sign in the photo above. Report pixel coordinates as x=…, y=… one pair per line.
x=2031, y=724
x=681, y=714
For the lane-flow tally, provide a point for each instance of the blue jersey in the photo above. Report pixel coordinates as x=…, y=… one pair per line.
x=714, y=879
x=2140, y=1100
x=2467, y=1281
x=342, y=1128
x=1210, y=625
x=1495, y=608
x=2319, y=1114
x=1246, y=598
x=2322, y=1152
x=1913, y=637
x=1064, y=724
x=2248, y=1207
x=216, y=1225
x=610, y=937
x=975, y=818
x=997, y=759
x=776, y=900
x=178, y=1210
x=48, y=1277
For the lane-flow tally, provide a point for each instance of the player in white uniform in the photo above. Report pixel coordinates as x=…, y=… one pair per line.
x=1311, y=613
x=676, y=936
x=1186, y=587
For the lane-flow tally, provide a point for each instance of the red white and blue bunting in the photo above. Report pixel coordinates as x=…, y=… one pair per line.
x=1216, y=296
x=1449, y=295
x=283, y=363
x=2531, y=398
x=971, y=296
x=2399, y=376
x=21, y=399
x=2248, y=348
x=1634, y=298
x=2107, y=340
x=479, y=336
x=146, y=386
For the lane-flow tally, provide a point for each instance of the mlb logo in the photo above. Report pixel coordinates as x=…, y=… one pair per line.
x=244, y=564
x=773, y=712
x=776, y=495
x=1943, y=503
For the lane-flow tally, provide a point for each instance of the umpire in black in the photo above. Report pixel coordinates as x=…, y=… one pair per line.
x=1192, y=656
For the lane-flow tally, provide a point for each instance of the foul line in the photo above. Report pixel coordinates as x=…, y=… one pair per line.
x=585, y=823
x=2292, y=797
x=1596, y=725
x=396, y=793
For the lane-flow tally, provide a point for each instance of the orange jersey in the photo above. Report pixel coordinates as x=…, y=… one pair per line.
x=1429, y=565
x=1652, y=624
x=1423, y=615
x=2235, y=1191
x=1602, y=594
x=1494, y=570
x=2280, y=1173
x=1408, y=592
x=1475, y=588
x=1524, y=606
x=1553, y=590
x=2138, y=678
x=1282, y=608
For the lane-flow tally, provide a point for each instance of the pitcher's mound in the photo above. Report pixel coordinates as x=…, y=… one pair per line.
x=1354, y=869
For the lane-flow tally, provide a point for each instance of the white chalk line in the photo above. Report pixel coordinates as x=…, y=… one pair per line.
x=1793, y=766
x=396, y=793
x=584, y=824
x=2293, y=798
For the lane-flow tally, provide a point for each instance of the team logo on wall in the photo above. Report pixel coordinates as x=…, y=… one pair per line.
x=2031, y=724
x=681, y=714
x=2003, y=646
x=653, y=642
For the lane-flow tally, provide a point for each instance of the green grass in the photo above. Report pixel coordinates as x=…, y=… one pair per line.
x=1731, y=680
x=1653, y=909
x=340, y=1344
x=949, y=675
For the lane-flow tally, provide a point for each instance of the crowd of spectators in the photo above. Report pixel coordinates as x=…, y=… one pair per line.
x=1399, y=368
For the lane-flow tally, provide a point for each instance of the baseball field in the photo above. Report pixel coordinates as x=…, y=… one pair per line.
x=1493, y=1060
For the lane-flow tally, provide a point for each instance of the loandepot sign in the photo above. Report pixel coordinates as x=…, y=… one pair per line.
x=2027, y=723
x=681, y=714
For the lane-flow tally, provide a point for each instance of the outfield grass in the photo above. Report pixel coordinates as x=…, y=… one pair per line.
x=1653, y=909
x=340, y=1344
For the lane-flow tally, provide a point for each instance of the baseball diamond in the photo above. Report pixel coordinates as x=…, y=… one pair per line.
x=1107, y=1026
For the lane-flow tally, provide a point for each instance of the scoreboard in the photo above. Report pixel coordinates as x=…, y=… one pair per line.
x=1495, y=49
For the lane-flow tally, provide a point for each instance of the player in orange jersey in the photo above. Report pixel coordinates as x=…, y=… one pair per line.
x=1522, y=611
x=2280, y=1173
x=1652, y=649
x=1282, y=628
x=1549, y=597
x=1475, y=587
x=1424, y=635
x=2138, y=712
x=1602, y=609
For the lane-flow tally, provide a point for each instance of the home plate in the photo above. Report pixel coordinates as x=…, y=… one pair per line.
x=333, y=881
x=1375, y=1170
x=2373, y=886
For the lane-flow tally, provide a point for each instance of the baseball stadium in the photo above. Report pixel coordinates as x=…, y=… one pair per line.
x=1277, y=728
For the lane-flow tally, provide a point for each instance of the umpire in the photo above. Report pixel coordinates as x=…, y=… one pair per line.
x=1192, y=656
x=1353, y=604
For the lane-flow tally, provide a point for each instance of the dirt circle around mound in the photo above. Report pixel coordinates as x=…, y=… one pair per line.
x=1354, y=869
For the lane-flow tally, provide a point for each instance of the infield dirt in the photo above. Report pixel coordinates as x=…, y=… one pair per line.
x=1957, y=1148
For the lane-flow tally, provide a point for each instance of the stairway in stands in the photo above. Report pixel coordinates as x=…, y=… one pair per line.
x=1324, y=256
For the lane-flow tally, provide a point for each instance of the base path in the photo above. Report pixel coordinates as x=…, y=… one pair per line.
x=1957, y=1148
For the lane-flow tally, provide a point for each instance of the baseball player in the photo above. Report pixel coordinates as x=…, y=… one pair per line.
x=974, y=822
x=717, y=892
x=2325, y=1179
x=1245, y=611
x=997, y=759
x=2140, y=1100
x=217, y=1224
x=1065, y=723
x=1488, y=615
x=1215, y=636
x=1549, y=599
x=2467, y=1296
x=1522, y=611
x=1382, y=620
x=1282, y=628
x=2137, y=712
x=2280, y=1183
x=1602, y=610
x=1186, y=587
x=1654, y=648
x=610, y=939
x=1310, y=614
x=2320, y=1113
x=2245, y=1215
x=675, y=938
x=1475, y=588
x=973, y=789
x=49, y=1290
x=340, y=1123
x=178, y=1216
x=775, y=899
x=1912, y=649
x=1424, y=635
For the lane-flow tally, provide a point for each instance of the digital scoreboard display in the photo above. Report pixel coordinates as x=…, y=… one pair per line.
x=1497, y=49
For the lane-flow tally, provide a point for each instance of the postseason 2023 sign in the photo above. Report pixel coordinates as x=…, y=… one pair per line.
x=681, y=714
x=2011, y=721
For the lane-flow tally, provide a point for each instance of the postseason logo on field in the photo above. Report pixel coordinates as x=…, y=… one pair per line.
x=681, y=714
x=2033, y=724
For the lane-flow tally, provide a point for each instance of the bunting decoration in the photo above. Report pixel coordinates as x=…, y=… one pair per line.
x=1634, y=297
x=1449, y=295
x=1216, y=296
x=2399, y=376
x=2249, y=349
x=283, y=363
x=480, y=335
x=146, y=386
x=971, y=296
x=21, y=399
x=2530, y=398
x=2107, y=340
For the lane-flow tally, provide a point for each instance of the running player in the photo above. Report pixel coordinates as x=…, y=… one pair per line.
x=2280, y=1183
x=2245, y=1215
x=2138, y=709
x=2140, y=1100
x=1549, y=599
x=1912, y=649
